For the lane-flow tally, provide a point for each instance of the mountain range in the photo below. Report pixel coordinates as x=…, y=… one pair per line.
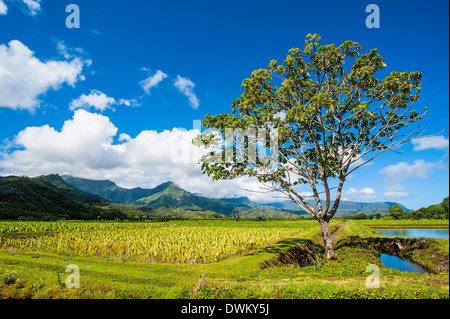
x=168, y=196
x=69, y=197
x=345, y=207
x=50, y=198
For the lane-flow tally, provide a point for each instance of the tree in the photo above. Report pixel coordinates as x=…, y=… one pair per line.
x=396, y=212
x=359, y=216
x=416, y=214
x=311, y=121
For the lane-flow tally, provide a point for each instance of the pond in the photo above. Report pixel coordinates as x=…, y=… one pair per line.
x=441, y=233
x=395, y=262
x=390, y=261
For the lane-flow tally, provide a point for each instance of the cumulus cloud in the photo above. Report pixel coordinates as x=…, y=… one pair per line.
x=403, y=170
x=83, y=141
x=366, y=193
x=152, y=80
x=186, y=86
x=95, y=99
x=432, y=142
x=99, y=101
x=396, y=173
x=23, y=77
x=3, y=8
x=34, y=6
x=89, y=145
x=395, y=191
x=31, y=7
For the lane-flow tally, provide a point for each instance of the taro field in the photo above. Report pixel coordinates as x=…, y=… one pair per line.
x=189, y=242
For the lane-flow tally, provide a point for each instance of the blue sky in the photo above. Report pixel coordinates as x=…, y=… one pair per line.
x=110, y=99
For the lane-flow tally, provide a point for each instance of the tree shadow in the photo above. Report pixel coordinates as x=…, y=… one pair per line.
x=293, y=252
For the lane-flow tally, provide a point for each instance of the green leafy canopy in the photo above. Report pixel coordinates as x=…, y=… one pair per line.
x=326, y=114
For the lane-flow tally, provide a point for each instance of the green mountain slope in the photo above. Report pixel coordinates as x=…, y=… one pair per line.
x=108, y=190
x=240, y=200
x=345, y=207
x=168, y=198
x=69, y=197
x=50, y=197
x=168, y=195
x=438, y=211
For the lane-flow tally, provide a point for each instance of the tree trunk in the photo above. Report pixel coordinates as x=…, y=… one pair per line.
x=327, y=238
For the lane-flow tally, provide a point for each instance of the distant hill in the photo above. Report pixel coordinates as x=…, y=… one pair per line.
x=171, y=197
x=168, y=196
x=68, y=197
x=108, y=190
x=240, y=200
x=50, y=197
x=345, y=207
x=438, y=211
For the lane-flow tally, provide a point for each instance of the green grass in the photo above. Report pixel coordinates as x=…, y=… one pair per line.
x=403, y=223
x=42, y=275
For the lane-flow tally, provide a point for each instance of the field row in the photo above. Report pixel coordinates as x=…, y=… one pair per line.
x=7, y=227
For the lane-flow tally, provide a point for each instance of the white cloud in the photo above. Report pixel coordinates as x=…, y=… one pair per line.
x=3, y=8
x=396, y=173
x=82, y=142
x=95, y=99
x=130, y=102
x=152, y=81
x=69, y=52
x=432, y=142
x=85, y=146
x=23, y=77
x=99, y=101
x=185, y=86
x=31, y=7
x=395, y=191
x=402, y=170
x=366, y=193
x=34, y=6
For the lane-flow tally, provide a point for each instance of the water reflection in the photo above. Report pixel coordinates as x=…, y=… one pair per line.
x=394, y=262
x=441, y=233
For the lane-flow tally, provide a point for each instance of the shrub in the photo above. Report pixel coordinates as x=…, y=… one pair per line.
x=10, y=278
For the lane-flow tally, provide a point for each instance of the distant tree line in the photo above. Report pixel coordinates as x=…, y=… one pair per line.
x=439, y=211
x=362, y=216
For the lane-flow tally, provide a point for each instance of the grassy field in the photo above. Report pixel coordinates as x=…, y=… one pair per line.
x=203, y=259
